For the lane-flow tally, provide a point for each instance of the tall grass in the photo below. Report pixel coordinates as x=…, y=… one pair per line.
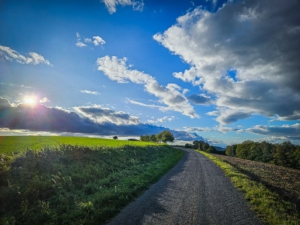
x=77, y=184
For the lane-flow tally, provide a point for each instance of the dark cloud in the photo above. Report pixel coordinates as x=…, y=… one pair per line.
x=199, y=99
x=103, y=115
x=288, y=131
x=43, y=118
x=232, y=116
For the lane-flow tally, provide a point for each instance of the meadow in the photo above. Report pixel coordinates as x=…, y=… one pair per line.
x=64, y=183
x=273, y=191
x=10, y=144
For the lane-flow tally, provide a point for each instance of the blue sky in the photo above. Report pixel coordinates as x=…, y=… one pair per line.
x=227, y=71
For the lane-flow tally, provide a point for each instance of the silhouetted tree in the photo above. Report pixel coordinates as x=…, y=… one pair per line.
x=115, y=137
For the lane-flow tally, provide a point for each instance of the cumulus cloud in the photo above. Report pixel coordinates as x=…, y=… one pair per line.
x=291, y=132
x=171, y=95
x=90, y=92
x=230, y=116
x=102, y=115
x=112, y=4
x=34, y=58
x=95, y=120
x=98, y=41
x=257, y=40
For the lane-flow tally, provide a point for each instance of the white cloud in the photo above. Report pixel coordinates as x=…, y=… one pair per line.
x=161, y=120
x=10, y=55
x=87, y=40
x=241, y=37
x=90, y=92
x=197, y=129
x=112, y=4
x=98, y=40
x=44, y=100
x=80, y=44
x=221, y=129
x=116, y=69
x=162, y=108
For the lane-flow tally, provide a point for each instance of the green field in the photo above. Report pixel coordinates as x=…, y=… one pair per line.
x=87, y=182
x=21, y=143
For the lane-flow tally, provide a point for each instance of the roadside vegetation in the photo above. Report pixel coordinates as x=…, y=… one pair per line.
x=285, y=154
x=75, y=184
x=272, y=191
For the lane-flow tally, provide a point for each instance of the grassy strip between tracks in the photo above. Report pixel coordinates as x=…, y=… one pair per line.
x=268, y=205
x=77, y=184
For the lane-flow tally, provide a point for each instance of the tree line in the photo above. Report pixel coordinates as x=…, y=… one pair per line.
x=164, y=136
x=203, y=146
x=285, y=154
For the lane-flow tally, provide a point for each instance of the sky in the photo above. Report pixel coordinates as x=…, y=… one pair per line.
x=220, y=71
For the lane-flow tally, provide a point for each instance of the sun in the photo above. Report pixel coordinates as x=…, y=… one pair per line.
x=30, y=100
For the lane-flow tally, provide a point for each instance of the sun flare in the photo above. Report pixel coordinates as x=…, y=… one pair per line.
x=30, y=100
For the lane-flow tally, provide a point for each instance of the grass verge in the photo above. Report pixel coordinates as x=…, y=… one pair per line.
x=268, y=205
x=76, y=184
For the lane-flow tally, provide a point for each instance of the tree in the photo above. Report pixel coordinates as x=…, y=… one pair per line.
x=211, y=149
x=165, y=136
x=231, y=150
x=153, y=138
x=284, y=154
x=145, y=138
x=115, y=137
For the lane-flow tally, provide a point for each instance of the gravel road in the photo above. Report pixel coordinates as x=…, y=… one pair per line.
x=195, y=191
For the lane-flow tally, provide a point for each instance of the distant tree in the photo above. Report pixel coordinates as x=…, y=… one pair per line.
x=165, y=136
x=267, y=152
x=187, y=145
x=284, y=154
x=153, y=138
x=145, y=138
x=297, y=157
x=230, y=150
x=115, y=137
x=211, y=149
x=243, y=149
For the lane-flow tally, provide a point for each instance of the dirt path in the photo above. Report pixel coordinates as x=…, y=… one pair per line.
x=195, y=191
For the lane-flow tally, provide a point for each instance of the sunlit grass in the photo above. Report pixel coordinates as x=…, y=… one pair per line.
x=269, y=206
x=22, y=143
